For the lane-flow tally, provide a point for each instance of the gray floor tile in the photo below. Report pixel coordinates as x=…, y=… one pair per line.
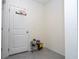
x=42, y=54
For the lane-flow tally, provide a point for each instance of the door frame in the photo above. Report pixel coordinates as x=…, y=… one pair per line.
x=71, y=28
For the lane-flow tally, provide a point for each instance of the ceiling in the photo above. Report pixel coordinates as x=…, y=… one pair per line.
x=42, y=1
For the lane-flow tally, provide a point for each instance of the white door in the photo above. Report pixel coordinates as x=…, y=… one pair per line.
x=18, y=32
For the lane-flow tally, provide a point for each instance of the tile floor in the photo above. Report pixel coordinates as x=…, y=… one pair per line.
x=42, y=54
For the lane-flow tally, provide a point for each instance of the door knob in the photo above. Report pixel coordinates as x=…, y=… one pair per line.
x=27, y=32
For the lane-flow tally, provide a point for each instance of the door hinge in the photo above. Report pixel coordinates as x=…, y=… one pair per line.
x=2, y=28
x=1, y=49
x=9, y=10
x=8, y=30
x=8, y=49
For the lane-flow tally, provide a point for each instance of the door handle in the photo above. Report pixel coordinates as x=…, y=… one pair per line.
x=27, y=32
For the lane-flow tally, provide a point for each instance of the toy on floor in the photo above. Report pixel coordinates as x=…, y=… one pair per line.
x=33, y=45
x=39, y=45
x=36, y=45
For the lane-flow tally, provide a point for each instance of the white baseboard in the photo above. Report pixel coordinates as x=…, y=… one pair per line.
x=56, y=51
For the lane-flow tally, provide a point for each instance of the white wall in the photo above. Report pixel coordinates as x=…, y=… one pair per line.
x=34, y=19
x=55, y=26
x=71, y=40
